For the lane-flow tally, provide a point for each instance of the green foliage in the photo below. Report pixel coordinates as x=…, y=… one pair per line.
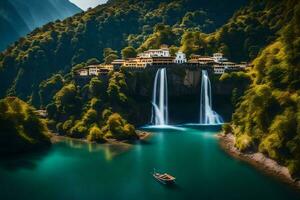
x=269, y=110
x=226, y=128
x=90, y=117
x=96, y=87
x=96, y=104
x=67, y=125
x=109, y=55
x=244, y=143
x=66, y=99
x=21, y=130
x=117, y=127
x=93, y=61
x=95, y=135
x=240, y=81
x=106, y=113
x=49, y=87
x=117, y=88
x=162, y=35
x=128, y=52
x=79, y=130
x=59, y=46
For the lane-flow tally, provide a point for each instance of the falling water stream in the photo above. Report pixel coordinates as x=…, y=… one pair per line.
x=160, y=99
x=207, y=115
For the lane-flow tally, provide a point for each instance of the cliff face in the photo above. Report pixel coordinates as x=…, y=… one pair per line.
x=181, y=82
x=18, y=17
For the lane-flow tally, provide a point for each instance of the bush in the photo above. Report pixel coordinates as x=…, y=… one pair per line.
x=244, y=143
x=95, y=104
x=67, y=125
x=21, y=130
x=79, y=130
x=117, y=127
x=271, y=146
x=227, y=128
x=106, y=113
x=294, y=168
x=95, y=135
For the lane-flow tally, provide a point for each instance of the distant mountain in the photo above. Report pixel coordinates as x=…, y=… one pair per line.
x=18, y=17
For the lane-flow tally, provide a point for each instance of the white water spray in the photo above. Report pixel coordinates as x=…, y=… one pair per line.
x=207, y=115
x=160, y=99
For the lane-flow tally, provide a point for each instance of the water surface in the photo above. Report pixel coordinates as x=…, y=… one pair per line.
x=74, y=170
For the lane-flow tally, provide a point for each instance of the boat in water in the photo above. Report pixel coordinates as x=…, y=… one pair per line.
x=164, y=178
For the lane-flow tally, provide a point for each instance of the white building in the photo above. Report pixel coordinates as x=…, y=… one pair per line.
x=93, y=70
x=221, y=68
x=180, y=58
x=218, y=57
x=83, y=72
x=162, y=52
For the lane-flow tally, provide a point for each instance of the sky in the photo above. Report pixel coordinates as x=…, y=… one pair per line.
x=85, y=4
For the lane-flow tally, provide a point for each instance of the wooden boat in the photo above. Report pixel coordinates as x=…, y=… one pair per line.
x=163, y=178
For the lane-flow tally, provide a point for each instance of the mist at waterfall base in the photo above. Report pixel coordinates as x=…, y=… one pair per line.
x=182, y=107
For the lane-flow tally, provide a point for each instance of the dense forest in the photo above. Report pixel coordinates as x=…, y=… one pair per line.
x=94, y=110
x=267, y=118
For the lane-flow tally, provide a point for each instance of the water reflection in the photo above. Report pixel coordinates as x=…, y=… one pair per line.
x=25, y=161
x=109, y=150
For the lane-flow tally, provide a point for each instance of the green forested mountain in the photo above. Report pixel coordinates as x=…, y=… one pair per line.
x=18, y=17
x=57, y=46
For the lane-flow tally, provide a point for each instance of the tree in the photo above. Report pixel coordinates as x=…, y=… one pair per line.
x=95, y=135
x=93, y=61
x=21, y=130
x=128, y=52
x=96, y=87
x=110, y=58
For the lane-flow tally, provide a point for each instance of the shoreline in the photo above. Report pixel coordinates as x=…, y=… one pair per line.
x=258, y=160
x=143, y=135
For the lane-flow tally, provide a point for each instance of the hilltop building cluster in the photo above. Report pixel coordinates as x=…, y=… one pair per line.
x=162, y=58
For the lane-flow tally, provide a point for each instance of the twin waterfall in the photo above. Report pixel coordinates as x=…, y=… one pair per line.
x=160, y=101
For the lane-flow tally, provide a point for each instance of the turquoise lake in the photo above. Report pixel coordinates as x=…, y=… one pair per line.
x=75, y=170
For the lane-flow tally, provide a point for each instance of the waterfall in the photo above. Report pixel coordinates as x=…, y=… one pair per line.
x=207, y=115
x=160, y=99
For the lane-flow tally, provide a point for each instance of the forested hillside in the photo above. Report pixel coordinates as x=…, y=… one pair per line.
x=18, y=17
x=57, y=46
x=268, y=117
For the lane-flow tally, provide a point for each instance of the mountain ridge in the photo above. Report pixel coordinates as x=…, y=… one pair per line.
x=20, y=17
